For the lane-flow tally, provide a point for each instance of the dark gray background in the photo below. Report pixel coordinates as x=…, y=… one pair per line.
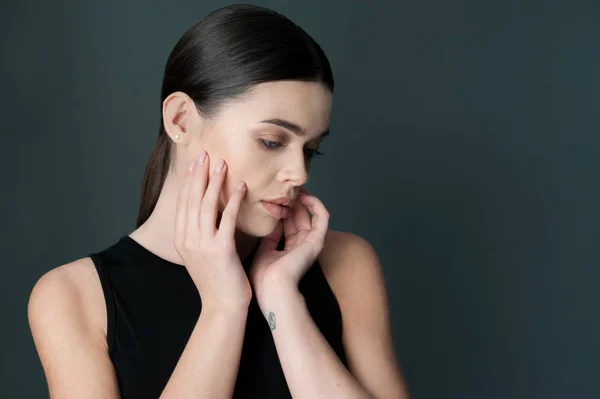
x=464, y=147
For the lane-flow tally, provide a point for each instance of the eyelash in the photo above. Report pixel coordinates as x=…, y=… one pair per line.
x=265, y=143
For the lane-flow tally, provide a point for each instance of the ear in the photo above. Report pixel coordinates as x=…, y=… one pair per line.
x=179, y=117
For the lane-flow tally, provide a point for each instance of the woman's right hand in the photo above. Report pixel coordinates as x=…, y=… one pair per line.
x=208, y=253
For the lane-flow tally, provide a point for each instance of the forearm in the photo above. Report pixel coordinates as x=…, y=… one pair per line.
x=311, y=367
x=208, y=366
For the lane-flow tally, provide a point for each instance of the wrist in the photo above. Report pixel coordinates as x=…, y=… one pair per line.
x=223, y=317
x=226, y=308
x=278, y=294
x=288, y=303
x=275, y=286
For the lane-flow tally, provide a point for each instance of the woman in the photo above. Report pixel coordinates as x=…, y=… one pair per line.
x=227, y=287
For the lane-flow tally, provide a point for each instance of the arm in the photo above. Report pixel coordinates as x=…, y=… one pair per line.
x=72, y=345
x=73, y=348
x=209, y=364
x=311, y=367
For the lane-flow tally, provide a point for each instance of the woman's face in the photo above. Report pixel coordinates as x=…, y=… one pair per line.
x=272, y=160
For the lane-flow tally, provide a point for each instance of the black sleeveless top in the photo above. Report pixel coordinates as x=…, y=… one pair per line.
x=153, y=305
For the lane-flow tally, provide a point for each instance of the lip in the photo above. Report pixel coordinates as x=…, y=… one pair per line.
x=276, y=210
x=287, y=201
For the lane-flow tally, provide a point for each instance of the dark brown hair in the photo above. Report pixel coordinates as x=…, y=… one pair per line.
x=220, y=58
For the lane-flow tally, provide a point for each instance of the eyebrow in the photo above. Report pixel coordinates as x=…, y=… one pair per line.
x=293, y=127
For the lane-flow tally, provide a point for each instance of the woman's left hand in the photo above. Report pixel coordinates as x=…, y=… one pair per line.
x=273, y=272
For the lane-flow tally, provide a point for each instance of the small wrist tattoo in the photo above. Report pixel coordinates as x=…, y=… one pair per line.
x=272, y=320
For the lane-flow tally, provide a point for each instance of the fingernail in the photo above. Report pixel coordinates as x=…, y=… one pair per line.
x=241, y=186
x=202, y=158
x=220, y=165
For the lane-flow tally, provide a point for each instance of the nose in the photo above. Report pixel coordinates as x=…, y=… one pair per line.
x=295, y=170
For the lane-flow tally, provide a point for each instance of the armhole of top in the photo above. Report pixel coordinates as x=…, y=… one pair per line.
x=109, y=300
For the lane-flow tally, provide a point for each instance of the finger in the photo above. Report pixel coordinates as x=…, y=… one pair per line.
x=210, y=203
x=301, y=216
x=196, y=194
x=230, y=213
x=289, y=225
x=181, y=210
x=320, y=218
x=270, y=242
x=303, y=190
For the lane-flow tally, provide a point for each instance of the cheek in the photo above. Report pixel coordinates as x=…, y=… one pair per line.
x=227, y=189
x=251, y=166
x=229, y=186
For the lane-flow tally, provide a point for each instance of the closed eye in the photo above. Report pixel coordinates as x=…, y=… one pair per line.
x=273, y=145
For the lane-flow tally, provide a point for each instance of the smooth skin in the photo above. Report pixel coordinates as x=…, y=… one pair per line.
x=67, y=311
x=210, y=361
x=72, y=345
x=304, y=240
x=209, y=253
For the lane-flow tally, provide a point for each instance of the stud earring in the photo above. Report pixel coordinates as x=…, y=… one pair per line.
x=176, y=137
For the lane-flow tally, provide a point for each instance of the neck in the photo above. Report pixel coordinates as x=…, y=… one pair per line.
x=158, y=232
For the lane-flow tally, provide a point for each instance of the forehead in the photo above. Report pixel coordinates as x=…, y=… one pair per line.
x=307, y=104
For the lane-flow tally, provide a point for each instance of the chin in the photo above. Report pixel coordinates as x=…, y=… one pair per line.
x=257, y=224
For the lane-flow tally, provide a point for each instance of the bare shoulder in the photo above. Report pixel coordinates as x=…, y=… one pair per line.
x=344, y=257
x=355, y=274
x=73, y=288
x=67, y=317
